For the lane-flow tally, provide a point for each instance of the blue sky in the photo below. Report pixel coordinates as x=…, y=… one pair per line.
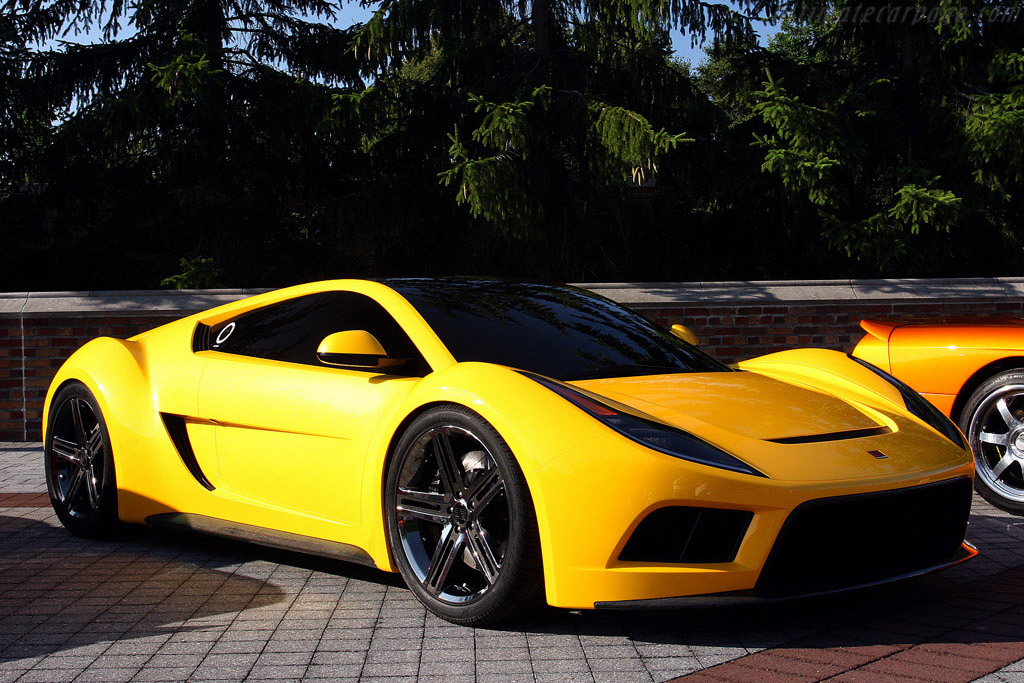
x=353, y=12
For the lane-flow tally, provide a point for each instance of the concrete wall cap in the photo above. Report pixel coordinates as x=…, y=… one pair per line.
x=638, y=294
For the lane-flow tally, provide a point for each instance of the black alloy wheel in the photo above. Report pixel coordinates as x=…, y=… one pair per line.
x=79, y=466
x=460, y=520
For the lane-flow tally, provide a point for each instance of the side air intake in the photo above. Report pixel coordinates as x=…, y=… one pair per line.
x=179, y=437
x=201, y=338
x=687, y=535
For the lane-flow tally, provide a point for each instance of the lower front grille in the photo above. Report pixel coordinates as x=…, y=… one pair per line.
x=836, y=543
x=690, y=535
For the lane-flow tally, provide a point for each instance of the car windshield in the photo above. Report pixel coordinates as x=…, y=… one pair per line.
x=558, y=331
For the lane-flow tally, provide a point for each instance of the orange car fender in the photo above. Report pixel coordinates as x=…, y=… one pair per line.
x=943, y=360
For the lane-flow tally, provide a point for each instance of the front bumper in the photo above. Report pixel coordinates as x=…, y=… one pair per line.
x=590, y=502
x=750, y=597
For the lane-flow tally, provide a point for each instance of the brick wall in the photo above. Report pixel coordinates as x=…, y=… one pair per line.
x=48, y=341
x=733, y=321
x=732, y=333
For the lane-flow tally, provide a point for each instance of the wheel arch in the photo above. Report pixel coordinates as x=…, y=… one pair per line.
x=55, y=389
x=399, y=431
x=535, y=423
x=101, y=364
x=114, y=372
x=980, y=376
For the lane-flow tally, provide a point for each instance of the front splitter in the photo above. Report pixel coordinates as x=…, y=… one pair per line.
x=749, y=597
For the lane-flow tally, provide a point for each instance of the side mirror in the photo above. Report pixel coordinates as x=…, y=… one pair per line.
x=352, y=348
x=684, y=333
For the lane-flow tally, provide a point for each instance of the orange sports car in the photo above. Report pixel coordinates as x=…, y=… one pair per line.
x=973, y=371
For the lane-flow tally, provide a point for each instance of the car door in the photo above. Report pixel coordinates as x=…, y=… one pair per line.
x=291, y=433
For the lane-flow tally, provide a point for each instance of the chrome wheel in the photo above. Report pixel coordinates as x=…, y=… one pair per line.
x=996, y=434
x=76, y=458
x=452, y=512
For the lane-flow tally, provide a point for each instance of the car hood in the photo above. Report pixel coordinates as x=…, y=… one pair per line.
x=743, y=403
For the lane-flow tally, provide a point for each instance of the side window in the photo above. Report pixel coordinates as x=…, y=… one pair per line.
x=291, y=330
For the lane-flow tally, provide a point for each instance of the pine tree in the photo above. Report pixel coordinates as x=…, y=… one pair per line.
x=564, y=104
x=21, y=119
x=192, y=129
x=893, y=136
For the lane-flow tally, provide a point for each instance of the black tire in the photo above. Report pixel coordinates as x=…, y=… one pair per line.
x=993, y=420
x=80, y=475
x=466, y=542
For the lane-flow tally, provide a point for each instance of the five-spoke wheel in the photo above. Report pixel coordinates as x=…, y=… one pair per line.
x=460, y=520
x=79, y=468
x=993, y=419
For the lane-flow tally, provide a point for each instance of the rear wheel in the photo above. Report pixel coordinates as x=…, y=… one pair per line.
x=460, y=520
x=993, y=420
x=79, y=465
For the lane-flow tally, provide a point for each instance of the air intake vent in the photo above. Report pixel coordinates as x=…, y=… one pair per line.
x=835, y=543
x=833, y=436
x=201, y=338
x=178, y=432
x=687, y=535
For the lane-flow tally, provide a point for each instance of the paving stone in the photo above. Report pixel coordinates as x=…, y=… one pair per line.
x=504, y=678
x=284, y=658
x=563, y=677
x=388, y=656
x=560, y=666
x=486, y=654
x=334, y=671
x=449, y=678
x=329, y=658
x=118, y=675
x=622, y=677
x=61, y=661
x=164, y=673
x=380, y=669
x=265, y=671
x=447, y=668
x=235, y=660
x=49, y=676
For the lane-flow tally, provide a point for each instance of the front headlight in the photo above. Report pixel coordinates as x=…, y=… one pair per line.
x=920, y=406
x=648, y=432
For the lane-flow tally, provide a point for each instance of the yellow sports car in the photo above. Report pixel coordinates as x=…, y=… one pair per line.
x=503, y=443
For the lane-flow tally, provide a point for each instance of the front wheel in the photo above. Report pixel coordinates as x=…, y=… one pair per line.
x=993, y=420
x=460, y=520
x=79, y=465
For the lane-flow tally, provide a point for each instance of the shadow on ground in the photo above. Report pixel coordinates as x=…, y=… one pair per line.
x=960, y=599
x=60, y=592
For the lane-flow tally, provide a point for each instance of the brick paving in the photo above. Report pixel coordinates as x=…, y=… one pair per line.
x=21, y=467
x=24, y=500
x=963, y=634
x=156, y=606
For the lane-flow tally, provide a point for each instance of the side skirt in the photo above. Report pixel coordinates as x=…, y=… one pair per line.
x=186, y=521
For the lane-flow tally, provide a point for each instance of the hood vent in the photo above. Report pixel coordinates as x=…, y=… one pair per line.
x=833, y=436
